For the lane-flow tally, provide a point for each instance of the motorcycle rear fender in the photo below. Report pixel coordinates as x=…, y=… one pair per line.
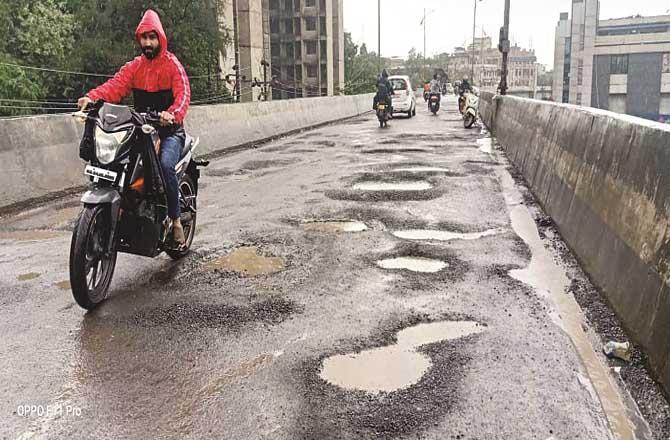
x=472, y=111
x=106, y=196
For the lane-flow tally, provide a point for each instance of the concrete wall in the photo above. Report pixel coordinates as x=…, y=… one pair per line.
x=40, y=155
x=604, y=179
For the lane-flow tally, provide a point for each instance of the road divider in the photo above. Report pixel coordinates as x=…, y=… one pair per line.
x=40, y=155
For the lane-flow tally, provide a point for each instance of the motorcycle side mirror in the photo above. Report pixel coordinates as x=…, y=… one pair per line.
x=148, y=129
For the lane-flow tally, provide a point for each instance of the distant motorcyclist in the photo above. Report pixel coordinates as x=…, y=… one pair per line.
x=435, y=89
x=384, y=91
x=464, y=88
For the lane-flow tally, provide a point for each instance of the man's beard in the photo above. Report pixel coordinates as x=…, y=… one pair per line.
x=150, y=52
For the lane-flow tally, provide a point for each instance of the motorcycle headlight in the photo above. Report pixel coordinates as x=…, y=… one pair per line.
x=107, y=144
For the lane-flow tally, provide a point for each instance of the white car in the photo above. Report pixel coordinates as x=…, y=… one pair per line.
x=404, y=99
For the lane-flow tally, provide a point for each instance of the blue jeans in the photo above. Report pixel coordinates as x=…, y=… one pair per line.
x=170, y=154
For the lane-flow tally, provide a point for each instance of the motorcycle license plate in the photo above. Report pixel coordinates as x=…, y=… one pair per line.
x=100, y=173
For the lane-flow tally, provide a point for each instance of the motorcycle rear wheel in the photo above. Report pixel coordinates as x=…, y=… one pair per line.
x=91, y=265
x=468, y=121
x=188, y=219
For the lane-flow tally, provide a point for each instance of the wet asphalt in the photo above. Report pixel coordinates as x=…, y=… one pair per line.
x=200, y=349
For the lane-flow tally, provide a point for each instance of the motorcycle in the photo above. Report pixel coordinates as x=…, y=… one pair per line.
x=471, y=109
x=125, y=209
x=426, y=95
x=383, y=114
x=434, y=103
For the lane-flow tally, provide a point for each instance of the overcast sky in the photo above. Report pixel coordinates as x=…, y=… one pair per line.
x=532, y=22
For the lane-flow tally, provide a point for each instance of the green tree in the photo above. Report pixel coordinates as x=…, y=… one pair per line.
x=361, y=68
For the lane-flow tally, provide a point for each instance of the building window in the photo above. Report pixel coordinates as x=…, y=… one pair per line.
x=288, y=5
x=288, y=26
x=322, y=24
x=310, y=47
x=310, y=23
x=322, y=5
x=619, y=65
x=666, y=63
x=275, y=50
x=274, y=25
x=310, y=3
x=580, y=72
x=312, y=71
x=274, y=4
x=582, y=36
x=579, y=99
x=298, y=74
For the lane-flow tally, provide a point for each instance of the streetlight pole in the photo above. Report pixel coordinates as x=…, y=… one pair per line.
x=504, y=48
x=474, y=37
x=425, y=62
x=379, y=34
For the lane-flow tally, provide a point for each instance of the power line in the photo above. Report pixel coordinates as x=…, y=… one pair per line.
x=44, y=69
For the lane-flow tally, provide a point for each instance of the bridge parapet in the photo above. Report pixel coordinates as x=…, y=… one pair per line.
x=604, y=178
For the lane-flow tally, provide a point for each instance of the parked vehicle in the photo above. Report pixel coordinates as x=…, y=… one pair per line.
x=471, y=110
x=125, y=208
x=404, y=99
x=434, y=104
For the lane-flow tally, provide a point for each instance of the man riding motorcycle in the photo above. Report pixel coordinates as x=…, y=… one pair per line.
x=384, y=92
x=158, y=83
x=434, y=89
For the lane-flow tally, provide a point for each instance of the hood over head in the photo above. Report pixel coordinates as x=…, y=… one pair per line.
x=152, y=22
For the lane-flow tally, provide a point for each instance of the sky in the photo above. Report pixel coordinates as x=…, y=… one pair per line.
x=532, y=22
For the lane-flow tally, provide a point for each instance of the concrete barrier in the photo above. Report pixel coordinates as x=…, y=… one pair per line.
x=40, y=155
x=604, y=178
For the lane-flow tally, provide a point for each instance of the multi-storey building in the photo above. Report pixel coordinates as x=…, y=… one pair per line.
x=296, y=45
x=307, y=47
x=621, y=65
x=522, y=67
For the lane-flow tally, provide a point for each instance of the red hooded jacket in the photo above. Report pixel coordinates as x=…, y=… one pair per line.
x=160, y=84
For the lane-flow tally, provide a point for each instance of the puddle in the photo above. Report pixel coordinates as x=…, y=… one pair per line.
x=30, y=235
x=550, y=281
x=423, y=170
x=64, y=285
x=394, y=367
x=414, y=264
x=485, y=145
x=399, y=186
x=425, y=234
x=246, y=260
x=28, y=276
x=335, y=226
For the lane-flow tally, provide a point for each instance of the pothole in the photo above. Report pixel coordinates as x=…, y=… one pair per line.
x=63, y=285
x=34, y=235
x=28, y=276
x=426, y=234
x=393, y=186
x=423, y=170
x=197, y=316
x=335, y=226
x=246, y=260
x=414, y=264
x=395, y=367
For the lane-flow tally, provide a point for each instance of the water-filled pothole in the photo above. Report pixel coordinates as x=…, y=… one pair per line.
x=34, y=235
x=246, y=260
x=393, y=186
x=28, y=276
x=426, y=234
x=414, y=264
x=394, y=367
x=422, y=170
x=335, y=226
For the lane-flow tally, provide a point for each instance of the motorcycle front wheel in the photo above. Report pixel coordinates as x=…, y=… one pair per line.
x=91, y=263
x=468, y=121
x=188, y=217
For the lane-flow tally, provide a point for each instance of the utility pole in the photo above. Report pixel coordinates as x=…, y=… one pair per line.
x=379, y=35
x=265, y=65
x=474, y=37
x=504, y=46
